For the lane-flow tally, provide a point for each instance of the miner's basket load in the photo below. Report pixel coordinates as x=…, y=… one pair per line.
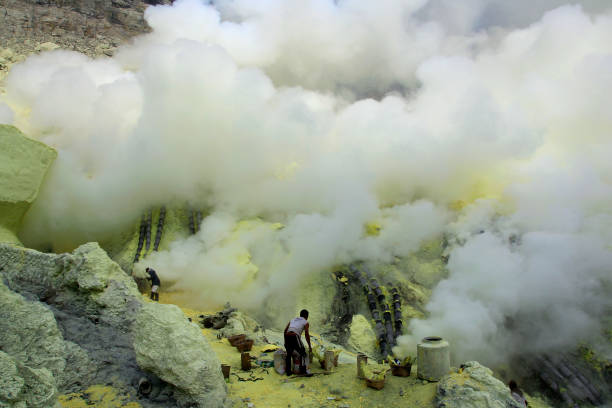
x=401, y=368
x=233, y=340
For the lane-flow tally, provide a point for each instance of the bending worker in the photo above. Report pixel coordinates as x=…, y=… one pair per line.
x=154, y=283
x=293, y=341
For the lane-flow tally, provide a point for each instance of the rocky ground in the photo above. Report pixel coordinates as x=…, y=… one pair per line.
x=75, y=329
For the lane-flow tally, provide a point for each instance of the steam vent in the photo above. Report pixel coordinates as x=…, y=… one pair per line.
x=305, y=203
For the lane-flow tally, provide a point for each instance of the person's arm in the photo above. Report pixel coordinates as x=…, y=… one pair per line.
x=286, y=328
x=307, y=335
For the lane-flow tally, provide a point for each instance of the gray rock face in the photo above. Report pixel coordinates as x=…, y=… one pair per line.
x=474, y=387
x=96, y=305
x=568, y=377
x=167, y=345
x=93, y=27
x=29, y=333
x=22, y=386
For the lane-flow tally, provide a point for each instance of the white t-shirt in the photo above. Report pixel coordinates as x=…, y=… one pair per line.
x=297, y=325
x=518, y=398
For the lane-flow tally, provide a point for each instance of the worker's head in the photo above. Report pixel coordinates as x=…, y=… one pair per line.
x=147, y=269
x=512, y=385
x=304, y=314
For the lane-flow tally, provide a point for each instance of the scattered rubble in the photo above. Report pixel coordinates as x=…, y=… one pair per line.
x=218, y=320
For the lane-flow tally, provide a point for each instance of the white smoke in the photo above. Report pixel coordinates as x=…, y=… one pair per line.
x=326, y=115
x=6, y=114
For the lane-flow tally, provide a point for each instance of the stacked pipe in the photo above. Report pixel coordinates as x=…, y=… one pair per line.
x=160, y=228
x=397, y=311
x=382, y=301
x=377, y=304
x=192, y=222
x=382, y=331
x=363, y=281
x=372, y=305
x=140, y=238
x=149, y=221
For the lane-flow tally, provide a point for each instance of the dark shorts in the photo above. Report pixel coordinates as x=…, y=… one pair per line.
x=293, y=342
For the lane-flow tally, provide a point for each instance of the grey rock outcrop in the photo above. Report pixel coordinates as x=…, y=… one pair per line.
x=29, y=333
x=94, y=27
x=168, y=346
x=98, y=311
x=473, y=387
x=567, y=376
x=25, y=387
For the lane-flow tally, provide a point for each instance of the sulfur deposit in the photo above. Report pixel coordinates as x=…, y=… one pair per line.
x=24, y=164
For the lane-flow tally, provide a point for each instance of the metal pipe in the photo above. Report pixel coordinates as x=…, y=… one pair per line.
x=387, y=316
x=144, y=386
x=398, y=327
x=379, y=329
x=160, y=227
x=191, y=222
x=389, y=327
x=149, y=220
x=141, y=234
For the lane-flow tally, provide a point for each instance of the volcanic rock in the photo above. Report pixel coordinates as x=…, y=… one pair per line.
x=96, y=305
x=175, y=350
x=362, y=337
x=25, y=387
x=29, y=333
x=473, y=387
x=23, y=165
x=88, y=26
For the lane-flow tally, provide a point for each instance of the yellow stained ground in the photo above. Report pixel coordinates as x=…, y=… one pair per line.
x=340, y=388
x=98, y=396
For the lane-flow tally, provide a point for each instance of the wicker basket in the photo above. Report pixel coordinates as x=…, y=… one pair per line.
x=225, y=369
x=376, y=384
x=233, y=340
x=244, y=345
x=400, y=371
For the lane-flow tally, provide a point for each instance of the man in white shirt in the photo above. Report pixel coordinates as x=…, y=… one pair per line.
x=293, y=341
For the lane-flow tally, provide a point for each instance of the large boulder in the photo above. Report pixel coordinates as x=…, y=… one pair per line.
x=86, y=282
x=473, y=387
x=25, y=387
x=29, y=333
x=23, y=165
x=99, y=313
x=167, y=345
